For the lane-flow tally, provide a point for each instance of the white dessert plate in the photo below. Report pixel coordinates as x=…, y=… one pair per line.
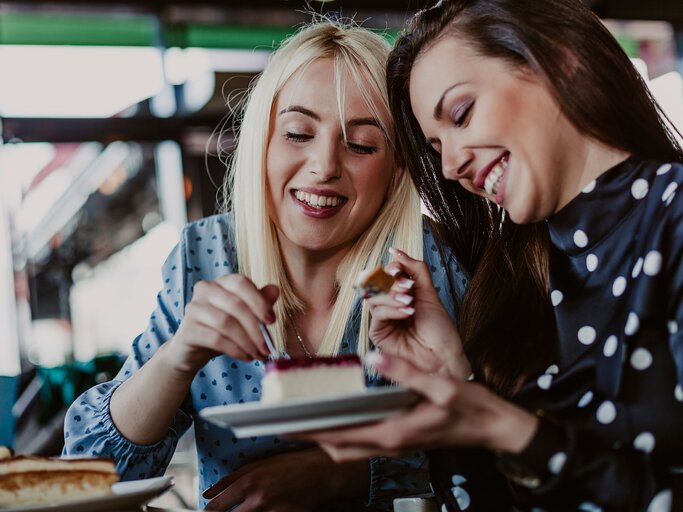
x=125, y=496
x=257, y=419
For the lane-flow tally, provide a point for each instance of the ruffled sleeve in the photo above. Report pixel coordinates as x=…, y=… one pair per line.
x=89, y=429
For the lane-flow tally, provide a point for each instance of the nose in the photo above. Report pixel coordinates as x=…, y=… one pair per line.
x=456, y=162
x=324, y=160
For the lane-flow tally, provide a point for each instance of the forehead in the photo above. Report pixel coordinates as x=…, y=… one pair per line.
x=318, y=88
x=448, y=61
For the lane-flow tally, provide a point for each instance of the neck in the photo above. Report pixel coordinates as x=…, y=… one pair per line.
x=590, y=161
x=312, y=275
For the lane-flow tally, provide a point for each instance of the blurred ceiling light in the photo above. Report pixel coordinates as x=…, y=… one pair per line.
x=76, y=81
x=184, y=65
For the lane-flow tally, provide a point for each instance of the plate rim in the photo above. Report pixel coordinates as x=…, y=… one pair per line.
x=165, y=483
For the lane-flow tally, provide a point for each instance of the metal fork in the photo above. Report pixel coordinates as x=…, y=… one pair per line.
x=274, y=354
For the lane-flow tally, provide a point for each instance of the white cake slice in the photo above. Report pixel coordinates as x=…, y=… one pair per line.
x=288, y=379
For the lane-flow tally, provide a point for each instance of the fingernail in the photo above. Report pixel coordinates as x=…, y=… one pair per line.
x=406, y=284
x=391, y=251
x=394, y=271
x=206, y=491
x=404, y=299
x=375, y=359
x=407, y=311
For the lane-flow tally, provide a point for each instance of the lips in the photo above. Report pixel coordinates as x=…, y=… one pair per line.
x=316, y=200
x=491, y=176
x=317, y=203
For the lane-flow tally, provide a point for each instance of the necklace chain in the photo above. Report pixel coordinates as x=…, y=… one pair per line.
x=299, y=337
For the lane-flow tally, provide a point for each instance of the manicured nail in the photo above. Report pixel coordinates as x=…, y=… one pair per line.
x=404, y=299
x=374, y=359
x=394, y=271
x=407, y=311
x=206, y=491
x=406, y=284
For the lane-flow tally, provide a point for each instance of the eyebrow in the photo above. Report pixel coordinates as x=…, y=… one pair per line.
x=438, y=110
x=359, y=121
x=301, y=110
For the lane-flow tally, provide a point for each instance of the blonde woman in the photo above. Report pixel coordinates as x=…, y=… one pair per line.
x=316, y=195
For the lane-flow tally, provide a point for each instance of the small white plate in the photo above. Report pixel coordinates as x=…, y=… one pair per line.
x=125, y=496
x=257, y=419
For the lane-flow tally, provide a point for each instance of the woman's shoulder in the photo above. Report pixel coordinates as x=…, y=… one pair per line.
x=215, y=228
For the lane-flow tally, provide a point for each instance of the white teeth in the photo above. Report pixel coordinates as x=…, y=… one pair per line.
x=317, y=201
x=492, y=181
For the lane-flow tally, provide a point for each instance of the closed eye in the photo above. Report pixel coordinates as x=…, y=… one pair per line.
x=361, y=149
x=298, y=137
x=462, y=114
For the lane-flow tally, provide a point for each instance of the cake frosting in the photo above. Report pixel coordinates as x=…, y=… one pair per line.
x=288, y=379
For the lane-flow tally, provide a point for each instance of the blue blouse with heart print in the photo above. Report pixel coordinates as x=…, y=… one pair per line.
x=205, y=252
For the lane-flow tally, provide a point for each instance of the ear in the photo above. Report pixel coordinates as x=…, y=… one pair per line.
x=399, y=173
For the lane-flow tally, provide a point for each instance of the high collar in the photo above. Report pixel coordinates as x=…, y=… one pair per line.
x=597, y=210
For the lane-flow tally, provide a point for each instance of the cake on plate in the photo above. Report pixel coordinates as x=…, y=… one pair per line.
x=288, y=379
x=29, y=480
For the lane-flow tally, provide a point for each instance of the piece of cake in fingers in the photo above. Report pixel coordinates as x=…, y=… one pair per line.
x=374, y=281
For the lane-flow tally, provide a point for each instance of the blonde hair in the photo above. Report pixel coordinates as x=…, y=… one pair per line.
x=361, y=55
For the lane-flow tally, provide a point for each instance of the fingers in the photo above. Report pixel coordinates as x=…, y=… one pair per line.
x=233, y=306
x=419, y=276
x=437, y=389
x=260, y=302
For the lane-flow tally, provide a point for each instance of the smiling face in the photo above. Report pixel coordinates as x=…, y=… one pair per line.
x=499, y=131
x=324, y=188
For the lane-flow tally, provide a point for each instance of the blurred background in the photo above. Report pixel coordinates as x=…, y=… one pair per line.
x=108, y=119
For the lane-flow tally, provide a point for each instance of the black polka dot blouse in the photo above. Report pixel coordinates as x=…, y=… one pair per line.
x=611, y=404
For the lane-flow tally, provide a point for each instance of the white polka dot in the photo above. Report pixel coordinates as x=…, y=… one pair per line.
x=632, y=324
x=462, y=497
x=606, y=412
x=458, y=479
x=672, y=325
x=611, y=345
x=556, y=297
x=586, y=335
x=663, y=169
x=544, y=381
x=553, y=369
x=585, y=399
x=618, y=286
x=587, y=506
x=556, y=462
x=591, y=262
x=678, y=393
x=641, y=359
x=580, y=238
x=637, y=267
x=639, y=188
x=669, y=192
x=645, y=442
x=662, y=502
x=589, y=188
x=653, y=263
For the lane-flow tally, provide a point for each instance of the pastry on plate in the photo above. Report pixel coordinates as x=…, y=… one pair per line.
x=29, y=480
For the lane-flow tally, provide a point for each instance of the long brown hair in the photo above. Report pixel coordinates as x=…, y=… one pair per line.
x=506, y=319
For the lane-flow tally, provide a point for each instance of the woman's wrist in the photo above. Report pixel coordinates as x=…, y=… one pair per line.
x=165, y=363
x=512, y=428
